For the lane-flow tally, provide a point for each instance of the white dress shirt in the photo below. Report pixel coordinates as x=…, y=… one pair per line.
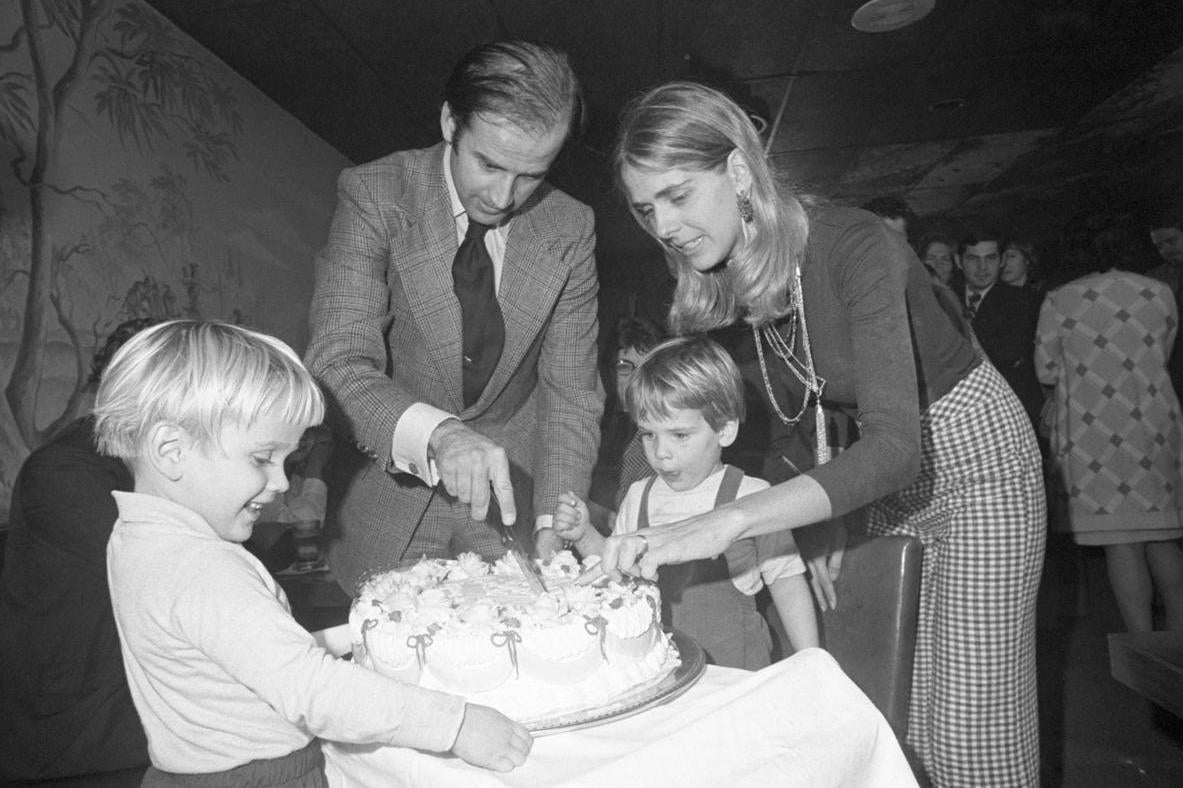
x=981, y=293
x=408, y=447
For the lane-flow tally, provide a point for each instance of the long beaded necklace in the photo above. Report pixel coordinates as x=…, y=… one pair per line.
x=802, y=370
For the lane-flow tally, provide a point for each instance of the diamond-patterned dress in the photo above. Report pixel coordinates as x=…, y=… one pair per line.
x=1103, y=341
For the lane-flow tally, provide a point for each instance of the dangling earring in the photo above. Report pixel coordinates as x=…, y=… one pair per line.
x=745, y=207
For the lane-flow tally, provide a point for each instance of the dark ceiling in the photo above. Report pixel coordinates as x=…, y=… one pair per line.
x=1015, y=113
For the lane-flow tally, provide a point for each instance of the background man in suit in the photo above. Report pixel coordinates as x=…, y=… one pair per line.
x=454, y=397
x=1004, y=317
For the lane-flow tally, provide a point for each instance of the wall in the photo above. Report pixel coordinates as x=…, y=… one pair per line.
x=140, y=177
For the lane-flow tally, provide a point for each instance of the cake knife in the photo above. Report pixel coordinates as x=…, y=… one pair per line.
x=529, y=569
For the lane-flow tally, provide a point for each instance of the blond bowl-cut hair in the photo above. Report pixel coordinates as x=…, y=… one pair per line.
x=687, y=373
x=202, y=376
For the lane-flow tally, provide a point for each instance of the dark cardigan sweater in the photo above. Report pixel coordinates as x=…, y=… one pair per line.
x=886, y=345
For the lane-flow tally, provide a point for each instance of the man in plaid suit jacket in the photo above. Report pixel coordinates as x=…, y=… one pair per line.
x=386, y=331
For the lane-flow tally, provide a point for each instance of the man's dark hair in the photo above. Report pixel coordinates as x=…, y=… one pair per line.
x=531, y=85
x=975, y=237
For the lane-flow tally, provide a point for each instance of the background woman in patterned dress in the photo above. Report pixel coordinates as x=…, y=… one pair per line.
x=838, y=310
x=1103, y=342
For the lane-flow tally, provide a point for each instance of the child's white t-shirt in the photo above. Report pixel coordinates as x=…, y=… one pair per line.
x=753, y=562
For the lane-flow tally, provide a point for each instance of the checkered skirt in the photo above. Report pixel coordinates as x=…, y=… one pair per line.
x=978, y=506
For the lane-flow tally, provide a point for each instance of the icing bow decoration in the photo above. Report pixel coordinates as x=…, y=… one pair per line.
x=420, y=644
x=656, y=611
x=597, y=626
x=508, y=639
x=366, y=626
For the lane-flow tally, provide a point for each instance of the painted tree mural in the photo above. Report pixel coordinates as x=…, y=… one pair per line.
x=122, y=66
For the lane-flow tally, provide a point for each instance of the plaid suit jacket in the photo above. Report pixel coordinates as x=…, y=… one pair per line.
x=385, y=333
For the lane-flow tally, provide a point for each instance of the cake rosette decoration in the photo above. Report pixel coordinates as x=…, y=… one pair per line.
x=582, y=599
x=425, y=574
x=401, y=600
x=433, y=606
x=562, y=566
x=468, y=565
x=505, y=565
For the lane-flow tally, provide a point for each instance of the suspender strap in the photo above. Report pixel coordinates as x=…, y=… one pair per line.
x=728, y=489
x=643, y=518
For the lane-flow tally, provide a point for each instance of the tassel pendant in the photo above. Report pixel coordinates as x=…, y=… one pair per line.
x=823, y=433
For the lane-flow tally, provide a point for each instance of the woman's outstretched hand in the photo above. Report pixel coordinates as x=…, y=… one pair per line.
x=629, y=554
x=640, y=553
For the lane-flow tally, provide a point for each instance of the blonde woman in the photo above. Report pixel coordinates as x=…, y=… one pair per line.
x=841, y=313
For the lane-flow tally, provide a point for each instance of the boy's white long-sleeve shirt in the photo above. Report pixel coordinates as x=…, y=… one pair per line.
x=753, y=562
x=221, y=673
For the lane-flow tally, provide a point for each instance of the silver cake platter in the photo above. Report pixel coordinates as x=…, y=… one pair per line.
x=693, y=664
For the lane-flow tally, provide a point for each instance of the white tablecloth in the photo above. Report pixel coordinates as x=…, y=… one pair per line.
x=800, y=722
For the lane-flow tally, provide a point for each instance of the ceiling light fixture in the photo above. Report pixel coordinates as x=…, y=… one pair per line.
x=882, y=16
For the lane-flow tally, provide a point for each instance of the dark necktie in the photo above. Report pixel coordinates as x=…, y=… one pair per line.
x=483, y=328
x=973, y=300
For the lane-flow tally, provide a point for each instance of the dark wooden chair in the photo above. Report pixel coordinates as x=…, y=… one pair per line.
x=872, y=633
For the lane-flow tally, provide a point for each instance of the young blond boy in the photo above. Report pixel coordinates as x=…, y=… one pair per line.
x=229, y=687
x=687, y=399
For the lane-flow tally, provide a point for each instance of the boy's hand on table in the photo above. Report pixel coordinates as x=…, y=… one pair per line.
x=489, y=739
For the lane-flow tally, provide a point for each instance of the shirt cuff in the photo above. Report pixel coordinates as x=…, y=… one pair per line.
x=543, y=521
x=780, y=567
x=408, y=446
x=748, y=583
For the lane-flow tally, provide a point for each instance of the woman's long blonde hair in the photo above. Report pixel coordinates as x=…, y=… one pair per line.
x=689, y=126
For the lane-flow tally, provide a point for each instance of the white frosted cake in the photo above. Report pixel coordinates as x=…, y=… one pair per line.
x=476, y=629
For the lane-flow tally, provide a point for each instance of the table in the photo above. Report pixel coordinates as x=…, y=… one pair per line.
x=1150, y=663
x=800, y=722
